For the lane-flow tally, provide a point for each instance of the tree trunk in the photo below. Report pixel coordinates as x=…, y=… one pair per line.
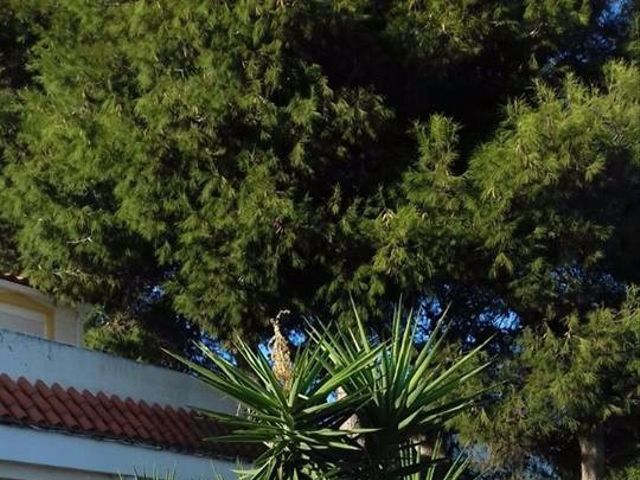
x=592, y=454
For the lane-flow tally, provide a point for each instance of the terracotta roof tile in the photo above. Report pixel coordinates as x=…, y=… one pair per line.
x=9, y=384
x=89, y=418
x=69, y=421
x=34, y=415
x=72, y=407
x=5, y=397
x=163, y=427
x=22, y=398
x=26, y=387
x=152, y=424
x=180, y=430
x=53, y=419
x=62, y=411
x=62, y=395
x=17, y=412
x=111, y=412
x=104, y=416
x=172, y=425
x=45, y=391
x=40, y=402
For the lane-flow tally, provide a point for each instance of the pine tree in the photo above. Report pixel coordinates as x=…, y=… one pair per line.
x=237, y=155
x=192, y=150
x=576, y=192
x=551, y=206
x=16, y=35
x=210, y=163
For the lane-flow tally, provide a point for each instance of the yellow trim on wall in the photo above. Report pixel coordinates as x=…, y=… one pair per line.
x=20, y=300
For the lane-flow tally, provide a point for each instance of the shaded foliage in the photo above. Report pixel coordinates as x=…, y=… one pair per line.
x=192, y=170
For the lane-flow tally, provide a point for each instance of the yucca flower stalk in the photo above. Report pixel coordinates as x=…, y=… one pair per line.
x=280, y=353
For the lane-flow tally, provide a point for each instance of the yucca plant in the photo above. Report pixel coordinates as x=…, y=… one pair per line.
x=297, y=409
x=413, y=394
x=289, y=414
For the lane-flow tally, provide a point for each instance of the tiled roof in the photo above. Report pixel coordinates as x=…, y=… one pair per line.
x=109, y=417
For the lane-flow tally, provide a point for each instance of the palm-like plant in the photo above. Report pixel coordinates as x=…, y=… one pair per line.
x=396, y=393
x=291, y=418
x=412, y=395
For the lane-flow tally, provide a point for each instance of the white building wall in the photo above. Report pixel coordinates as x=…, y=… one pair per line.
x=22, y=320
x=27, y=454
x=23, y=471
x=18, y=315
x=33, y=454
x=68, y=326
x=37, y=359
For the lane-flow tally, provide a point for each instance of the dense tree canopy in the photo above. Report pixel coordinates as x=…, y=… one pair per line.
x=560, y=219
x=199, y=166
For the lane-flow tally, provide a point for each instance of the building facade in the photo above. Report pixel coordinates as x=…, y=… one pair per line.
x=71, y=413
x=24, y=309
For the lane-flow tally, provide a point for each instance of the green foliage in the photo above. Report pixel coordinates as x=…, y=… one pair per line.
x=209, y=164
x=629, y=473
x=542, y=185
x=401, y=398
x=236, y=150
x=562, y=386
x=560, y=221
x=217, y=152
x=15, y=38
x=142, y=332
x=546, y=216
